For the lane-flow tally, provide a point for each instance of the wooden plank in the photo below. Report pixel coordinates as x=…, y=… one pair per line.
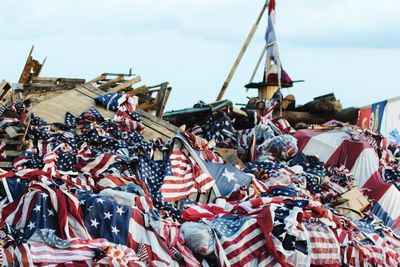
x=5, y=164
x=140, y=90
x=11, y=153
x=162, y=93
x=26, y=70
x=241, y=53
x=108, y=84
x=148, y=104
x=98, y=78
x=5, y=88
x=158, y=128
x=125, y=85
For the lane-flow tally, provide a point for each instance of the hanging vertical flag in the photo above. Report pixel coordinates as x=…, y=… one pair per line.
x=272, y=45
x=393, y=121
x=377, y=116
x=270, y=35
x=364, y=118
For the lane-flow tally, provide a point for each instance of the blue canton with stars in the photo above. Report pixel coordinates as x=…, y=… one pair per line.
x=152, y=172
x=42, y=216
x=227, y=177
x=228, y=226
x=104, y=218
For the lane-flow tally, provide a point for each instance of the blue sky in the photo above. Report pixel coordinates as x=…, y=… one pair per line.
x=350, y=47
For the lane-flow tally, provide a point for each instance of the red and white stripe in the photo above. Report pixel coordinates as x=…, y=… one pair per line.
x=98, y=165
x=244, y=246
x=324, y=247
x=267, y=114
x=187, y=178
x=337, y=148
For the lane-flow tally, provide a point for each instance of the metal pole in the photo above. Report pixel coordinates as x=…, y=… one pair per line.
x=241, y=53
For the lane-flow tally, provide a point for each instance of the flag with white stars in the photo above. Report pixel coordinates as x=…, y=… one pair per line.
x=104, y=217
x=109, y=101
x=43, y=207
x=220, y=128
x=240, y=240
x=152, y=172
x=70, y=120
x=227, y=178
x=183, y=176
x=15, y=187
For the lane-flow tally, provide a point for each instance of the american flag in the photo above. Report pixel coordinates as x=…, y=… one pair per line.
x=152, y=172
x=183, y=177
x=97, y=165
x=324, y=247
x=227, y=178
x=220, y=129
x=109, y=101
x=126, y=225
x=238, y=240
x=270, y=38
x=7, y=122
x=70, y=120
x=43, y=207
x=266, y=115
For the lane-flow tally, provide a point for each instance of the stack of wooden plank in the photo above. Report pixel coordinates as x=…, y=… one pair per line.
x=151, y=98
x=14, y=139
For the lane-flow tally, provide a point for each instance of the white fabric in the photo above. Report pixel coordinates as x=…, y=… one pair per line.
x=325, y=144
x=390, y=202
x=365, y=166
x=392, y=117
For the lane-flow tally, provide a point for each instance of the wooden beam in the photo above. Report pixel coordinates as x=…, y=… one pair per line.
x=148, y=104
x=241, y=53
x=139, y=90
x=98, y=78
x=162, y=93
x=4, y=89
x=125, y=85
x=108, y=84
x=26, y=64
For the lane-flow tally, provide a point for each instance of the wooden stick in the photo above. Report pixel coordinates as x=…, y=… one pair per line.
x=125, y=85
x=241, y=53
x=26, y=63
x=258, y=65
x=98, y=78
x=108, y=84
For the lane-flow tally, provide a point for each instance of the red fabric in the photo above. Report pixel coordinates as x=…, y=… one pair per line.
x=376, y=186
x=266, y=225
x=347, y=153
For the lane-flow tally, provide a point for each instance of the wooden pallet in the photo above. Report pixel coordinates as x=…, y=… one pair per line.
x=16, y=144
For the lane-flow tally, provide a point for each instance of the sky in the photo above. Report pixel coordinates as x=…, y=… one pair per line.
x=349, y=47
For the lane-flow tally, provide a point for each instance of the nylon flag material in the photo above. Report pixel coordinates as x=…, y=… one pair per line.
x=377, y=115
x=227, y=178
x=364, y=118
x=325, y=248
x=270, y=35
x=393, y=121
x=239, y=240
x=184, y=177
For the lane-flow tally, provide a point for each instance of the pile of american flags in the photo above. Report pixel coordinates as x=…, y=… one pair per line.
x=88, y=192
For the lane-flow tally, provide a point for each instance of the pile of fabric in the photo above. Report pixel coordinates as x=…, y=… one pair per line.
x=88, y=192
